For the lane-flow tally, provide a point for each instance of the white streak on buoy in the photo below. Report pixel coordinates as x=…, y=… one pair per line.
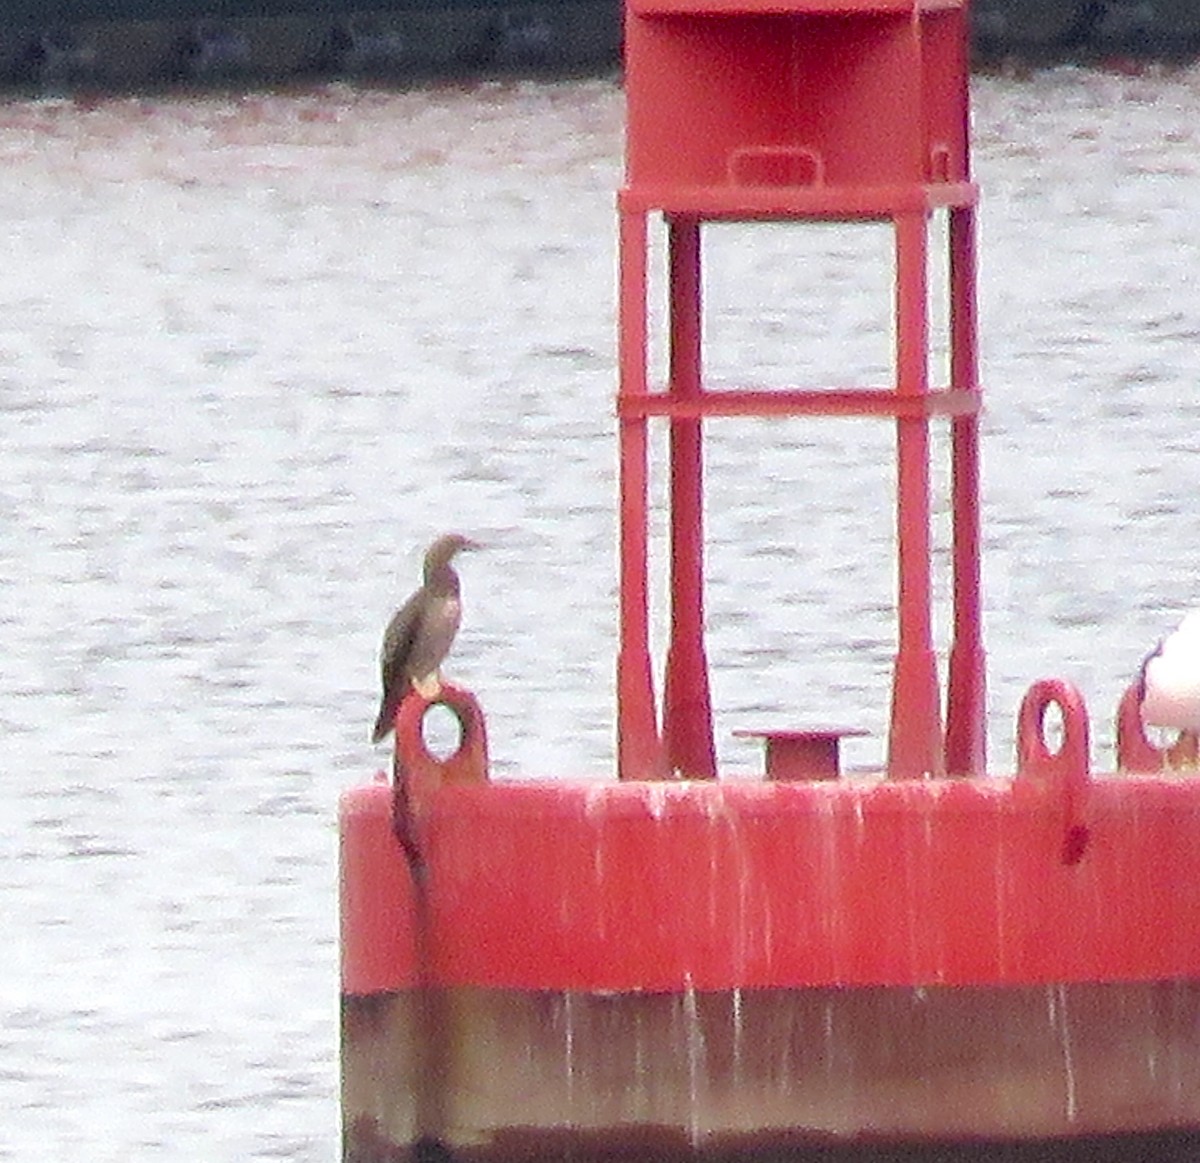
x=1056, y=1004
x=695, y=1057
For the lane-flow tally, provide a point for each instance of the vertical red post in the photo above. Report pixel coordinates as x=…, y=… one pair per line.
x=966, y=704
x=687, y=703
x=915, y=744
x=639, y=751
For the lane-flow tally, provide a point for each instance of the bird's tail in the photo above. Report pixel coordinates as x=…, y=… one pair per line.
x=386, y=720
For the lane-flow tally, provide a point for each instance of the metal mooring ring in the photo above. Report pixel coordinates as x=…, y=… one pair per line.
x=1135, y=752
x=1062, y=771
x=420, y=769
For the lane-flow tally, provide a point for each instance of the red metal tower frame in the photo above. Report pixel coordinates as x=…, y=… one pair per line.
x=851, y=110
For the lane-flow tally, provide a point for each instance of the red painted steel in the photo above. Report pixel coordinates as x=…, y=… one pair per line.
x=377, y=911
x=966, y=704
x=687, y=704
x=382, y=843
x=754, y=109
x=730, y=202
x=1136, y=754
x=873, y=100
x=791, y=7
x=811, y=754
x=802, y=402
x=419, y=766
x=1054, y=875
x=915, y=740
x=1061, y=767
x=639, y=747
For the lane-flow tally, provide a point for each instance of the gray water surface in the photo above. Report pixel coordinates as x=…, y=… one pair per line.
x=256, y=351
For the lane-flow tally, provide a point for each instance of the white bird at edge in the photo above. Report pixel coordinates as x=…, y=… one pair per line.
x=1169, y=682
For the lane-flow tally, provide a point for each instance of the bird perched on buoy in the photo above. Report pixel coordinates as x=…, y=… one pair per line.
x=420, y=634
x=1169, y=683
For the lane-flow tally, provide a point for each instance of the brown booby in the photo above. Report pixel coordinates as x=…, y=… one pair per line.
x=421, y=632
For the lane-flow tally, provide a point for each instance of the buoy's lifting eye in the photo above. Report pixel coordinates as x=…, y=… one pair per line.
x=442, y=731
x=1052, y=728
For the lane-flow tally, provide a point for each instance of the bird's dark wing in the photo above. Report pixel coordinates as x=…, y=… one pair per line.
x=398, y=640
x=397, y=645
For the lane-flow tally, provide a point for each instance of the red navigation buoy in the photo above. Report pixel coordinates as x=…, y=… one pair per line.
x=929, y=960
